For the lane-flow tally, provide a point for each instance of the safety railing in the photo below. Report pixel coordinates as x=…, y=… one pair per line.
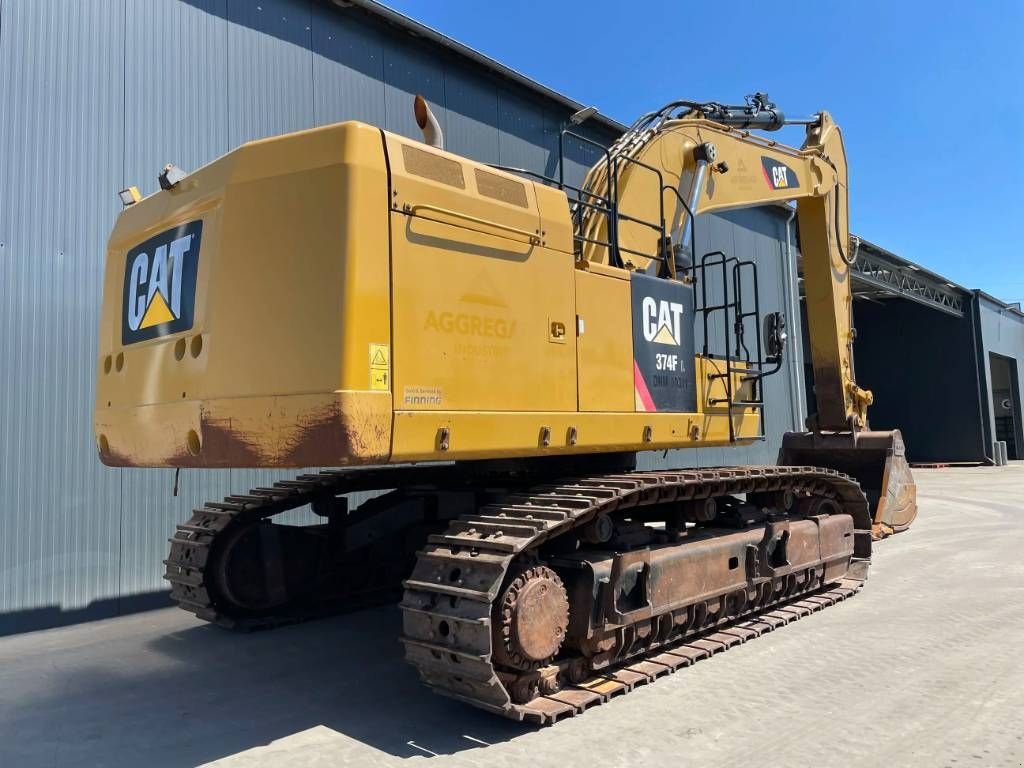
x=742, y=355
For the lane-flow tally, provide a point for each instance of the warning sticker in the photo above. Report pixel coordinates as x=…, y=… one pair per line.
x=380, y=363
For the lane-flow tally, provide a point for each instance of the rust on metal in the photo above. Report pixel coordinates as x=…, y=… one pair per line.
x=220, y=438
x=495, y=614
x=331, y=429
x=322, y=437
x=534, y=614
x=649, y=605
x=876, y=459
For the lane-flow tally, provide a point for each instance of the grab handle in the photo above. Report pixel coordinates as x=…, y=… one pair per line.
x=411, y=208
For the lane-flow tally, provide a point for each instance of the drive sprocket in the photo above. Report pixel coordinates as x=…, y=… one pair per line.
x=533, y=615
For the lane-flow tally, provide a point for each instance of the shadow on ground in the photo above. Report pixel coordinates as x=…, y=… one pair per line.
x=200, y=693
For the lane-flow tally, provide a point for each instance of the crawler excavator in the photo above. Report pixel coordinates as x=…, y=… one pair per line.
x=489, y=349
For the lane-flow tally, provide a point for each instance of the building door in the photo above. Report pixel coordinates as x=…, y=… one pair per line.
x=1006, y=403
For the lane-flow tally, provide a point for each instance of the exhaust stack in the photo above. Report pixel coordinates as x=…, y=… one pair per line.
x=428, y=123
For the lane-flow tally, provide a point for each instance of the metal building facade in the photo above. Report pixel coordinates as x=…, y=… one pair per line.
x=920, y=364
x=943, y=361
x=1000, y=342
x=99, y=94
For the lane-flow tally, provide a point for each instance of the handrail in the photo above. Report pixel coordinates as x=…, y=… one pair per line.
x=411, y=208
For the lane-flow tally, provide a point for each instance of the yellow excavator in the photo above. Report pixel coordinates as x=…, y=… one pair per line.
x=488, y=349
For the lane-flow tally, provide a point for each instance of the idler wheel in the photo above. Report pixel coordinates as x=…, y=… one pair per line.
x=533, y=614
x=257, y=568
x=240, y=574
x=818, y=505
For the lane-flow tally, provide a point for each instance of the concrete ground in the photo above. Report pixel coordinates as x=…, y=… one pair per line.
x=924, y=667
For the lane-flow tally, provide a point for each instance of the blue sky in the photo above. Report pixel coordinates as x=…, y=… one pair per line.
x=929, y=96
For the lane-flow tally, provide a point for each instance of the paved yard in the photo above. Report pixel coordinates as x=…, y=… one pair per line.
x=924, y=667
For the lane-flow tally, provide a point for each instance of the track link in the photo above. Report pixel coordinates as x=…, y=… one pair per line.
x=186, y=566
x=449, y=598
x=193, y=546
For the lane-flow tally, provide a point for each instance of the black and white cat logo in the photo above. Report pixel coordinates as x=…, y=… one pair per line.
x=160, y=284
x=778, y=175
x=661, y=320
x=663, y=342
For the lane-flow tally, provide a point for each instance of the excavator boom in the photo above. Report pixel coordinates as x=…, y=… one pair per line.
x=705, y=162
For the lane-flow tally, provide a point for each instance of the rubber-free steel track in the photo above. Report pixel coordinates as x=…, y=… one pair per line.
x=193, y=547
x=449, y=598
x=448, y=601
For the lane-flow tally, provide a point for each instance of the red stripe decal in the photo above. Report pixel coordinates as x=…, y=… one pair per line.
x=767, y=178
x=641, y=389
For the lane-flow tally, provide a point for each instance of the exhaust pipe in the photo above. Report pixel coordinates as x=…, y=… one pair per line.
x=428, y=123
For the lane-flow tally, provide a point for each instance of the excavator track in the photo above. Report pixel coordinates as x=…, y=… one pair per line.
x=453, y=596
x=192, y=563
x=453, y=599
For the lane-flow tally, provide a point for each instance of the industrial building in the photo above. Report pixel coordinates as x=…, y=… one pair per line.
x=94, y=101
x=942, y=360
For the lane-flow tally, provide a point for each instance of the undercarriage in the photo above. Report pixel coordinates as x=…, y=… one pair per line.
x=533, y=596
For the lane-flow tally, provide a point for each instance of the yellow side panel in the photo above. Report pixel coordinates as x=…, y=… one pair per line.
x=423, y=435
x=605, y=343
x=434, y=184
x=481, y=322
x=555, y=224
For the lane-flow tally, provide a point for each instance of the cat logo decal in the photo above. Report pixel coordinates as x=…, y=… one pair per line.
x=160, y=284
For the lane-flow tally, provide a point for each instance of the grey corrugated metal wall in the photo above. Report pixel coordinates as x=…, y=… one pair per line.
x=1002, y=333
x=61, y=142
x=99, y=94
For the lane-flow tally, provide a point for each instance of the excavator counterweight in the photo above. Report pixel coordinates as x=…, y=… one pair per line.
x=489, y=349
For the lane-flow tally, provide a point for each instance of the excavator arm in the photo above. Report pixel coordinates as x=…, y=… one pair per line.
x=706, y=161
